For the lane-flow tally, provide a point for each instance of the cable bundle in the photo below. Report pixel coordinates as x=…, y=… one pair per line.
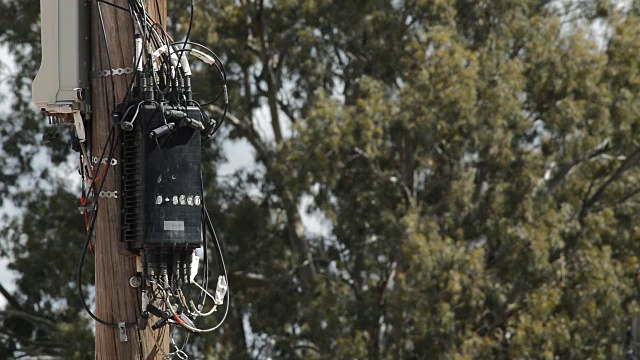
x=159, y=91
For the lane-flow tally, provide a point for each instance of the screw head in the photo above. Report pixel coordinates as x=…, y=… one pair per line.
x=135, y=281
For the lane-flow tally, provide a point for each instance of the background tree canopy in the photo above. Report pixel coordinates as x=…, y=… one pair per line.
x=476, y=164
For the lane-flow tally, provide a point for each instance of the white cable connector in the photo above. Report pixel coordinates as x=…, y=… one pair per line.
x=150, y=52
x=145, y=300
x=77, y=122
x=202, y=56
x=184, y=63
x=173, y=54
x=138, y=57
x=161, y=50
x=218, y=299
x=195, y=262
x=221, y=290
x=174, y=58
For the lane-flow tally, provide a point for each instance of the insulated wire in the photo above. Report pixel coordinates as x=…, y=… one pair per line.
x=148, y=63
x=186, y=39
x=106, y=45
x=218, y=65
x=205, y=276
x=113, y=5
x=86, y=246
x=226, y=311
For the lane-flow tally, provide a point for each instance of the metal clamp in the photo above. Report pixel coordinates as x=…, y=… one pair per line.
x=118, y=71
x=109, y=194
x=123, y=331
x=113, y=161
x=82, y=209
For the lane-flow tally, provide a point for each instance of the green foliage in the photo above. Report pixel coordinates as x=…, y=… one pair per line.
x=44, y=245
x=475, y=163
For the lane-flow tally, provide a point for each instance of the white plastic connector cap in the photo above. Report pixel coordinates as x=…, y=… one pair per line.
x=138, y=56
x=221, y=290
x=184, y=63
x=195, y=262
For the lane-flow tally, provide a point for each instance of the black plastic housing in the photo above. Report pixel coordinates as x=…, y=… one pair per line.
x=162, y=185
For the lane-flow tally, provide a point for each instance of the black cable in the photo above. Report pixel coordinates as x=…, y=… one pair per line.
x=224, y=269
x=205, y=277
x=140, y=15
x=89, y=235
x=222, y=70
x=92, y=189
x=224, y=82
x=113, y=5
x=212, y=53
x=106, y=98
x=106, y=45
x=159, y=14
x=217, y=242
x=135, y=13
x=167, y=56
x=161, y=24
x=167, y=73
x=224, y=115
x=130, y=87
x=219, y=66
x=186, y=39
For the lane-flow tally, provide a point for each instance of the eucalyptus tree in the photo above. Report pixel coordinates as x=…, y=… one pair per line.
x=474, y=164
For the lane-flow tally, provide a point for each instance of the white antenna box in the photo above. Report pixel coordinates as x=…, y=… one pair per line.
x=62, y=84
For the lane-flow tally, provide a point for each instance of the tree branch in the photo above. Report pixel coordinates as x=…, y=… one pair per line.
x=34, y=319
x=10, y=298
x=247, y=129
x=626, y=164
x=287, y=110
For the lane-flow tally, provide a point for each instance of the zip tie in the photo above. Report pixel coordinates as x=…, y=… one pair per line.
x=112, y=72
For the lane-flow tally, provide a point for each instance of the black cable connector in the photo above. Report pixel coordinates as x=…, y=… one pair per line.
x=162, y=130
x=174, y=114
x=192, y=123
x=160, y=323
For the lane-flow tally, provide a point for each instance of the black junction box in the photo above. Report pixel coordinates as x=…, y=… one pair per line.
x=162, y=183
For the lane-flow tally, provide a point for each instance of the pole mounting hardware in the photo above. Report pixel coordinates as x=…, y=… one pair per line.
x=118, y=71
x=109, y=194
x=112, y=162
x=123, y=332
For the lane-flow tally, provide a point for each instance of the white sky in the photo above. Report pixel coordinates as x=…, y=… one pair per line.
x=7, y=278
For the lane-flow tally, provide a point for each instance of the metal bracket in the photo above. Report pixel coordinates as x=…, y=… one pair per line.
x=82, y=209
x=113, y=161
x=77, y=122
x=118, y=71
x=123, y=331
x=109, y=194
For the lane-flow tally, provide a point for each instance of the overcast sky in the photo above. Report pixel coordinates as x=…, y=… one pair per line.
x=6, y=277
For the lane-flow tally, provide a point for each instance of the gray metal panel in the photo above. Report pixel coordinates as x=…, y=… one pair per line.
x=66, y=64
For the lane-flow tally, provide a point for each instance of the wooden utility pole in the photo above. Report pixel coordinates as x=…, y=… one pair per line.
x=116, y=300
